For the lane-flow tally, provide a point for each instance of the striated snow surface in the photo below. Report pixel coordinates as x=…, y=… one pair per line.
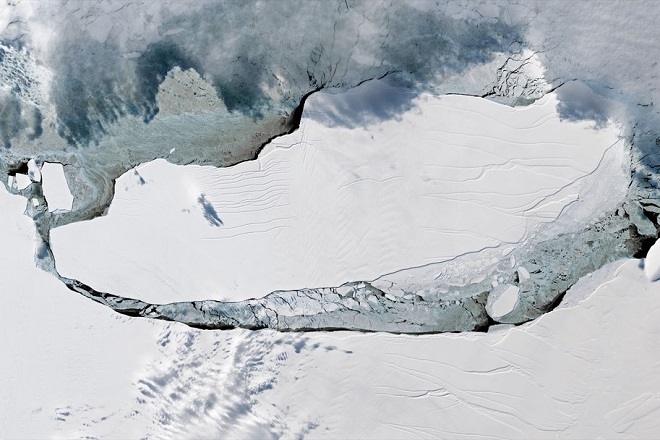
x=337, y=202
x=75, y=369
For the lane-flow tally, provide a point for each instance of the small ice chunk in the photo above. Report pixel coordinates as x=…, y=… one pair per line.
x=33, y=171
x=172, y=150
x=502, y=300
x=56, y=190
x=10, y=181
x=330, y=307
x=35, y=202
x=22, y=181
x=497, y=328
x=344, y=290
x=652, y=262
x=523, y=274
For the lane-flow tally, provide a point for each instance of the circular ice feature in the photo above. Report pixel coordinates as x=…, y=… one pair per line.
x=652, y=262
x=502, y=300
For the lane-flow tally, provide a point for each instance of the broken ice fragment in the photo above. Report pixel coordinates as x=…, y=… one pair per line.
x=33, y=171
x=523, y=274
x=22, y=181
x=55, y=187
x=502, y=300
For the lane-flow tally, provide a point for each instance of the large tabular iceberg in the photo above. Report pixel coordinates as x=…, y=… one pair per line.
x=331, y=204
x=407, y=167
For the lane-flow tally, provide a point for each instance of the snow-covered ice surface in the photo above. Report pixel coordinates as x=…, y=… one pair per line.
x=330, y=204
x=74, y=368
x=110, y=89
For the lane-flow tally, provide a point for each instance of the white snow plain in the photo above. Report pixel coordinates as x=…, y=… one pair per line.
x=332, y=203
x=73, y=368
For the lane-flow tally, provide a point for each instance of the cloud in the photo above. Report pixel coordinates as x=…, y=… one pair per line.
x=262, y=57
x=370, y=102
x=577, y=102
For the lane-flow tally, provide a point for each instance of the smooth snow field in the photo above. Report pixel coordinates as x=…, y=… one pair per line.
x=73, y=368
x=350, y=196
